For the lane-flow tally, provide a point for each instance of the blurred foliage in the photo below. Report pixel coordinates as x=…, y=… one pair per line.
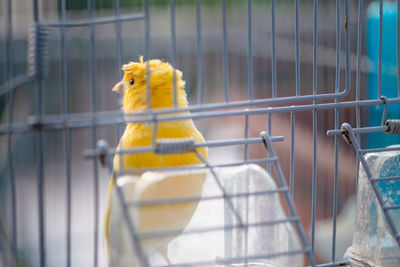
x=3, y=102
x=103, y=4
x=108, y=4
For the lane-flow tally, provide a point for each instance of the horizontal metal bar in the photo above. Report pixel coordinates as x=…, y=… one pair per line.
x=133, y=171
x=334, y=264
x=384, y=179
x=15, y=128
x=215, y=143
x=384, y=149
x=262, y=102
x=362, y=130
x=98, y=21
x=233, y=142
x=159, y=234
x=168, y=201
x=391, y=207
x=247, y=259
x=206, y=107
x=255, y=102
x=274, y=101
x=83, y=120
x=14, y=82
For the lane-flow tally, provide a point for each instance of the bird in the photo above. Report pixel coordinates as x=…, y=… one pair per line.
x=156, y=77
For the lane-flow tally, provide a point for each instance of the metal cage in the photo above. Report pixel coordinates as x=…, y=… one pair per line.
x=56, y=112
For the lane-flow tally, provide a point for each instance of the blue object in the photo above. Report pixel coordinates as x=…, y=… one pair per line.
x=389, y=68
x=391, y=189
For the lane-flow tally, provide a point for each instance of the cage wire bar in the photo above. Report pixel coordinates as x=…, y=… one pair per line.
x=39, y=123
x=187, y=146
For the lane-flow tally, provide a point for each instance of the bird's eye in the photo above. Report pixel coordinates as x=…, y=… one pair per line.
x=132, y=82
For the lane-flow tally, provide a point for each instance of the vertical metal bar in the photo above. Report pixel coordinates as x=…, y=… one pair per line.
x=93, y=98
x=359, y=47
x=335, y=190
x=292, y=154
x=147, y=51
x=315, y=44
x=35, y=11
x=67, y=134
x=297, y=36
x=39, y=157
x=246, y=228
x=69, y=193
x=335, y=174
x=398, y=48
x=227, y=184
x=147, y=30
x=228, y=220
x=9, y=75
x=246, y=136
x=314, y=171
x=347, y=46
x=246, y=158
x=380, y=48
x=270, y=133
x=199, y=53
x=173, y=52
x=225, y=51
x=338, y=46
x=314, y=181
x=335, y=185
x=40, y=187
x=117, y=12
x=273, y=63
x=250, y=49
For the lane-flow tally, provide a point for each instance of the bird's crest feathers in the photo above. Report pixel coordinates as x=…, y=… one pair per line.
x=160, y=75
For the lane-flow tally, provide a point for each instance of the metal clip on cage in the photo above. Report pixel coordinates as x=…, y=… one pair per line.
x=37, y=58
x=38, y=51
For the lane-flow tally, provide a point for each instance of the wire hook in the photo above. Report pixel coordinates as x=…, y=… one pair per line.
x=346, y=133
x=384, y=100
x=104, y=156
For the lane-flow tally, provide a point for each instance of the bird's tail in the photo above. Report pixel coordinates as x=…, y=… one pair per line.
x=7, y=256
x=107, y=217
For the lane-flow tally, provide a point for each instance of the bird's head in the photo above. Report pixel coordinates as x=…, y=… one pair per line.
x=155, y=75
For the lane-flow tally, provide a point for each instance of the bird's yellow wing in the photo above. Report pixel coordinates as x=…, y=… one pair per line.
x=147, y=219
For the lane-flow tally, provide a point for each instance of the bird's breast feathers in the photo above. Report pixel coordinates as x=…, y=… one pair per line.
x=140, y=135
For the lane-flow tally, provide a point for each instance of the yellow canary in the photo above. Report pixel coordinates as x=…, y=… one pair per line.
x=133, y=87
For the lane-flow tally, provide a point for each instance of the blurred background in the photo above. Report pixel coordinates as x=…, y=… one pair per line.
x=72, y=94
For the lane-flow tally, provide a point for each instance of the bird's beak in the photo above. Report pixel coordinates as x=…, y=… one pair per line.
x=119, y=88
